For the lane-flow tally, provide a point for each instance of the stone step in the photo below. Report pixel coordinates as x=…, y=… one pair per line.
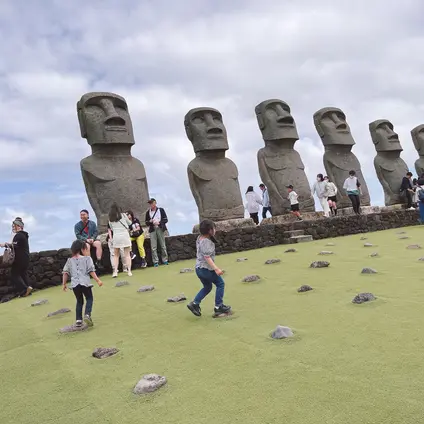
x=293, y=233
x=301, y=239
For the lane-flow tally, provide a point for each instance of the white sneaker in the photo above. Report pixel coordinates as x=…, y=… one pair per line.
x=411, y=209
x=115, y=274
x=129, y=274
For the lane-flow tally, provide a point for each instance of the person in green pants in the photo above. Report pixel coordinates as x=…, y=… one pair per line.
x=156, y=220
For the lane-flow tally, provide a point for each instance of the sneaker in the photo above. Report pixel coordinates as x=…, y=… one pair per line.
x=133, y=256
x=28, y=291
x=156, y=265
x=129, y=274
x=143, y=263
x=166, y=263
x=78, y=323
x=99, y=265
x=411, y=209
x=223, y=309
x=88, y=320
x=299, y=218
x=195, y=309
x=115, y=274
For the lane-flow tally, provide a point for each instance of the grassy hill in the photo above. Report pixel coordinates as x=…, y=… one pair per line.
x=346, y=363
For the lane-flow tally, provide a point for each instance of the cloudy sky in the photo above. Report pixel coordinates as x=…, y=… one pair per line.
x=364, y=56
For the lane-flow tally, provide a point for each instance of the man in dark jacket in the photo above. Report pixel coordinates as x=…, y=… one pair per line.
x=156, y=220
x=19, y=269
x=407, y=188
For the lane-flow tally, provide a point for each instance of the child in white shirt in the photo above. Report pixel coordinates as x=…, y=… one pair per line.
x=294, y=202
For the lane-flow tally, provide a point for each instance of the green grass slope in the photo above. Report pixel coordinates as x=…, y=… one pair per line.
x=346, y=364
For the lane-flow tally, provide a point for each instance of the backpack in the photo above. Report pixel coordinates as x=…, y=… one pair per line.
x=421, y=195
x=8, y=255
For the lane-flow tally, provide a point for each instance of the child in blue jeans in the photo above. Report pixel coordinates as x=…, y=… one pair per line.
x=208, y=272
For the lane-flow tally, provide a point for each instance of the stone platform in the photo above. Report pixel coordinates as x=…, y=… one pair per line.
x=366, y=210
x=290, y=218
x=229, y=225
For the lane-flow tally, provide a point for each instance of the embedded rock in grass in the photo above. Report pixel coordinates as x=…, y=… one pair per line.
x=363, y=297
x=241, y=259
x=414, y=246
x=330, y=244
x=364, y=238
x=149, y=383
x=73, y=328
x=374, y=255
x=325, y=252
x=272, y=261
x=290, y=251
x=180, y=298
x=401, y=232
x=58, y=312
x=186, y=270
x=404, y=238
x=282, y=332
x=145, y=289
x=368, y=245
x=105, y=352
x=421, y=259
x=39, y=302
x=320, y=264
x=251, y=278
x=304, y=288
x=122, y=283
x=368, y=271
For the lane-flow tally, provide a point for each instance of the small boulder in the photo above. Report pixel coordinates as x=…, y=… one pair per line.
x=180, y=298
x=251, y=278
x=320, y=264
x=363, y=297
x=364, y=238
x=421, y=259
x=374, y=255
x=325, y=252
x=290, y=251
x=73, y=328
x=414, y=246
x=149, y=383
x=368, y=245
x=241, y=259
x=401, y=232
x=272, y=261
x=368, y=271
x=122, y=283
x=330, y=244
x=304, y=288
x=145, y=289
x=39, y=302
x=58, y=312
x=105, y=352
x=282, y=332
x=186, y=270
x=404, y=238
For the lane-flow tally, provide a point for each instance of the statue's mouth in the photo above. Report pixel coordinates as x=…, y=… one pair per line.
x=115, y=128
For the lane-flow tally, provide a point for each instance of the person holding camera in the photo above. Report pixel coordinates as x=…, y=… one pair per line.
x=156, y=220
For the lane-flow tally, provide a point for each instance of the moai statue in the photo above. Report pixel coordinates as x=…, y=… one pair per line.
x=279, y=164
x=389, y=166
x=418, y=138
x=213, y=178
x=110, y=173
x=331, y=125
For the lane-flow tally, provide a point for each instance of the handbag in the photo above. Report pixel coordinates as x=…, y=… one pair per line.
x=9, y=255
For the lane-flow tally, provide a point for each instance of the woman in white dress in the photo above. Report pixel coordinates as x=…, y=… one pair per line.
x=253, y=202
x=119, y=225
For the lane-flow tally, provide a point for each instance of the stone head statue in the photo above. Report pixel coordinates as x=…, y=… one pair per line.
x=384, y=137
x=205, y=129
x=275, y=120
x=332, y=127
x=104, y=119
x=418, y=138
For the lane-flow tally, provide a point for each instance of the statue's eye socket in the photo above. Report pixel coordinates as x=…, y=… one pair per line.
x=217, y=120
x=198, y=120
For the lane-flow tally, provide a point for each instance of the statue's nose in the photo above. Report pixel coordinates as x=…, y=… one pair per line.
x=115, y=120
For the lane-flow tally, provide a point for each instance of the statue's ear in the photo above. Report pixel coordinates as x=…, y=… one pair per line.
x=81, y=120
x=188, y=131
x=261, y=122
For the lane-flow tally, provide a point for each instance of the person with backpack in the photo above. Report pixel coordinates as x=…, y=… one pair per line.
x=86, y=230
x=18, y=258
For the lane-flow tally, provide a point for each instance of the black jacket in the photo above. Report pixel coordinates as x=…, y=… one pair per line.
x=162, y=223
x=21, y=246
x=406, y=184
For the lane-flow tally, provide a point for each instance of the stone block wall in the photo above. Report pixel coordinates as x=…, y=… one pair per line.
x=45, y=267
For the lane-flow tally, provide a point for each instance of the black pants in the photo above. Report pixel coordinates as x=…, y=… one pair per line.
x=265, y=210
x=255, y=217
x=356, y=203
x=80, y=292
x=19, y=278
x=408, y=199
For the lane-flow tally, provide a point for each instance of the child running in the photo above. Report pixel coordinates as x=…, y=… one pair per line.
x=294, y=202
x=80, y=268
x=207, y=271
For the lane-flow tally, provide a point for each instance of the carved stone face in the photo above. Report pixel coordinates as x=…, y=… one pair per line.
x=205, y=129
x=418, y=138
x=331, y=125
x=275, y=120
x=384, y=137
x=104, y=119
